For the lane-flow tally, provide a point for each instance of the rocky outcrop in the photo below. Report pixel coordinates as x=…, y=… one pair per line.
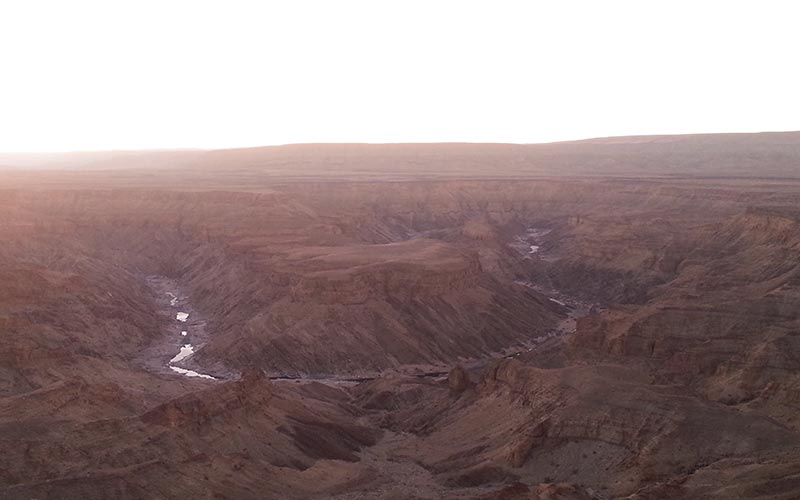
x=252, y=391
x=458, y=380
x=560, y=491
x=401, y=275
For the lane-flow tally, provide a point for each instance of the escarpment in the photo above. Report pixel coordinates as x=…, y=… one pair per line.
x=401, y=271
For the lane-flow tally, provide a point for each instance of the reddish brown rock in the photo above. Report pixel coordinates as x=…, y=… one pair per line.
x=458, y=379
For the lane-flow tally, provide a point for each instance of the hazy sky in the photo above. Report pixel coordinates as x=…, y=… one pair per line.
x=111, y=74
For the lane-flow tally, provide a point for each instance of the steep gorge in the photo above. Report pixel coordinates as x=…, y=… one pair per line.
x=684, y=369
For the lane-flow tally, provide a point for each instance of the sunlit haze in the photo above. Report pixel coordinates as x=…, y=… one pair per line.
x=88, y=75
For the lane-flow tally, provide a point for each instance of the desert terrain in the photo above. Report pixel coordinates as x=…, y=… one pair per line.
x=608, y=319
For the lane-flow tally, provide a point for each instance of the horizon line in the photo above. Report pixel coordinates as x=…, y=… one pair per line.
x=367, y=143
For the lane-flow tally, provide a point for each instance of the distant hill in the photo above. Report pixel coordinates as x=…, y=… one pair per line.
x=762, y=155
x=708, y=155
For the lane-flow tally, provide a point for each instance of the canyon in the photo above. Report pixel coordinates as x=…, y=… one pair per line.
x=614, y=318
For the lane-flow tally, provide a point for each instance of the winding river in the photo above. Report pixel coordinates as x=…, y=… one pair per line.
x=186, y=349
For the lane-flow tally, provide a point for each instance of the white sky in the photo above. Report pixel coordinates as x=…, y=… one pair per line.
x=106, y=74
